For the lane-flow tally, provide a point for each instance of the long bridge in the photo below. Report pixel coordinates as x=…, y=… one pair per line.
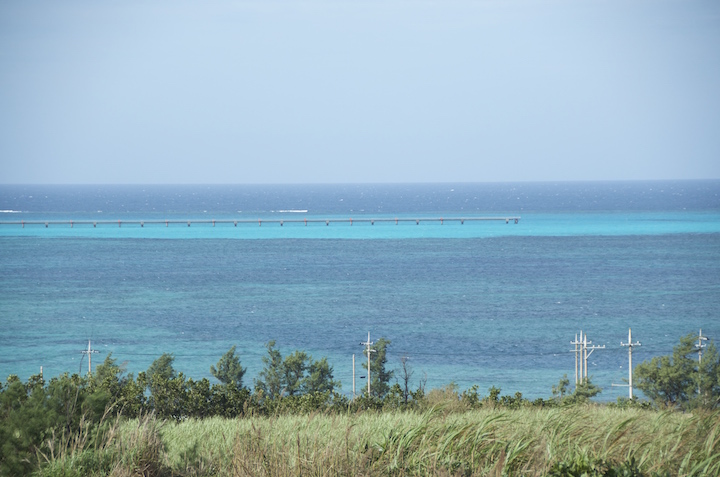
x=259, y=222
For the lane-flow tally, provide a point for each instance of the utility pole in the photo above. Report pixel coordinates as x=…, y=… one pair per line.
x=353, y=377
x=581, y=355
x=700, y=345
x=585, y=357
x=576, y=351
x=89, y=352
x=368, y=343
x=581, y=352
x=630, y=345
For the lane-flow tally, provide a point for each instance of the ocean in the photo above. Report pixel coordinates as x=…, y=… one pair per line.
x=468, y=301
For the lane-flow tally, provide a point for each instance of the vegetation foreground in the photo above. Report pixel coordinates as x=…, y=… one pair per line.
x=569, y=441
x=295, y=423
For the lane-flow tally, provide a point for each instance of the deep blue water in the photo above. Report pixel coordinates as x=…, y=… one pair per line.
x=484, y=303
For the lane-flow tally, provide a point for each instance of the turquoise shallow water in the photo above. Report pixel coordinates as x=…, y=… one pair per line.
x=484, y=303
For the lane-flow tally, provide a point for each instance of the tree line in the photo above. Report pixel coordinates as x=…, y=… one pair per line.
x=35, y=412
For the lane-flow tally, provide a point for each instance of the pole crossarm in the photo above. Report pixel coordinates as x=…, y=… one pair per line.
x=593, y=348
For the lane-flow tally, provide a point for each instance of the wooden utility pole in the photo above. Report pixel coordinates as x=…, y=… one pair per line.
x=89, y=352
x=368, y=343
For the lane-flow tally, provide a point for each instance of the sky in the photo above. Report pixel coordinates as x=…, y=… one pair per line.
x=358, y=91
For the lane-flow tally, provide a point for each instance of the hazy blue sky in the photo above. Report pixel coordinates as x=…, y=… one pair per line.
x=274, y=91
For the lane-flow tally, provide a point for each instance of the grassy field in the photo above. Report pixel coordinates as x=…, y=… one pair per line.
x=597, y=440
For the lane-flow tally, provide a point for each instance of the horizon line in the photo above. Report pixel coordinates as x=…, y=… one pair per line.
x=559, y=181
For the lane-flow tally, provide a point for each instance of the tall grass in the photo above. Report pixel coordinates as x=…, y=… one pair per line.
x=128, y=449
x=498, y=442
